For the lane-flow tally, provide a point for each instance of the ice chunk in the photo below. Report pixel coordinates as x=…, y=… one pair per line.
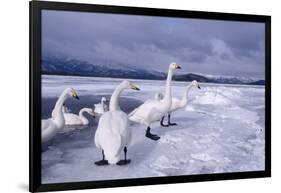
x=202, y=157
x=212, y=98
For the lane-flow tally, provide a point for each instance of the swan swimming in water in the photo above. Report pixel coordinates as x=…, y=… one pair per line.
x=177, y=103
x=112, y=135
x=73, y=119
x=50, y=127
x=65, y=109
x=153, y=110
x=101, y=107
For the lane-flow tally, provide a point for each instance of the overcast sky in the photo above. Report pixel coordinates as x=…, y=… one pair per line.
x=201, y=46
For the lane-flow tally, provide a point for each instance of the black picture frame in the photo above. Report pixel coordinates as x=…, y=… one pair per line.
x=35, y=184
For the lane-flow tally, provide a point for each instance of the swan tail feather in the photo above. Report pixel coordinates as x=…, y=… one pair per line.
x=112, y=159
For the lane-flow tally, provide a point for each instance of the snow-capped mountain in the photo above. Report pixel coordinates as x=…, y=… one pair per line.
x=219, y=79
x=103, y=68
x=60, y=66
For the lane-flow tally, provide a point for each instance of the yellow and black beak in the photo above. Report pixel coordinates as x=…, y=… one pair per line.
x=93, y=112
x=134, y=87
x=178, y=66
x=74, y=95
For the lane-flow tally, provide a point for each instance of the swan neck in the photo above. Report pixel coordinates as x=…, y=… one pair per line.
x=168, y=85
x=82, y=117
x=185, y=95
x=60, y=102
x=57, y=114
x=114, y=100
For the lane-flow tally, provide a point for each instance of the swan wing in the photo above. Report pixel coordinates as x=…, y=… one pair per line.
x=133, y=112
x=147, y=112
x=121, y=127
x=44, y=124
x=99, y=109
x=110, y=134
x=72, y=119
x=176, y=103
x=143, y=107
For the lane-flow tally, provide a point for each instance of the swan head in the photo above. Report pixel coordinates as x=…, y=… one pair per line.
x=128, y=85
x=195, y=83
x=158, y=96
x=174, y=65
x=71, y=92
x=103, y=99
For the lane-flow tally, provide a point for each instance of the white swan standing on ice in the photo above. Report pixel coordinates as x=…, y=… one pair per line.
x=112, y=135
x=101, y=107
x=153, y=110
x=177, y=103
x=50, y=127
x=73, y=119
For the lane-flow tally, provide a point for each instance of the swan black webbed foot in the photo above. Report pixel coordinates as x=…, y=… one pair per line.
x=169, y=121
x=124, y=161
x=162, y=122
x=102, y=162
x=150, y=135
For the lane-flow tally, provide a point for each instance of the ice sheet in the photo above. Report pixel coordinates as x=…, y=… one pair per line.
x=220, y=130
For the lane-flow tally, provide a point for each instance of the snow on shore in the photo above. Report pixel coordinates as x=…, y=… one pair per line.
x=220, y=130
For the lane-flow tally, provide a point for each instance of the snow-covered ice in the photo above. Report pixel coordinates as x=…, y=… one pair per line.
x=220, y=130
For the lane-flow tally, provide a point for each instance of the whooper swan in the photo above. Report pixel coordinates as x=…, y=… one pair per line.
x=113, y=135
x=177, y=103
x=101, y=107
x=50, y=127
x=153, y=110
x=73, y=119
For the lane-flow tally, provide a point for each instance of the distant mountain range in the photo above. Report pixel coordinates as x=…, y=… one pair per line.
x=81, y=68
x=73, y=67
x=218, y=79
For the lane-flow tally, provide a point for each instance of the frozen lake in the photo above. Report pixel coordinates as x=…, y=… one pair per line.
x=220, y=130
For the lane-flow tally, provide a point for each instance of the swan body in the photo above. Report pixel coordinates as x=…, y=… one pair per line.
x=73, y=119
x=101, y=107
x=153, y=110
x=112, y=135
x=148, y=112
x=50, y=127
x=177, y=103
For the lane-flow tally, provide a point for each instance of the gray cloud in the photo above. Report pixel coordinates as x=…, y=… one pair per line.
x=202, y=46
